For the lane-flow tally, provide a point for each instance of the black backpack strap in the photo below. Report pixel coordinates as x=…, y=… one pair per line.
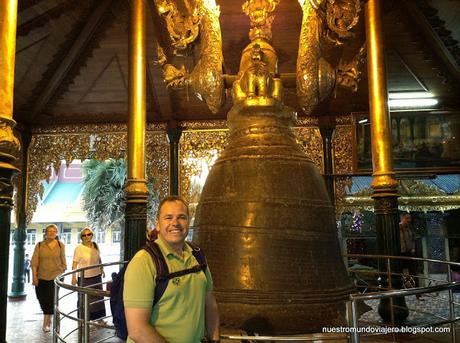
x=198, y=254
x=161, y=281
x=163, y=275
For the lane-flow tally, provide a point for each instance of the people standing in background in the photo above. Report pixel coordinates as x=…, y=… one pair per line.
x=27, y=268
x=48, y=261
x=407, y=240
x=87, y=254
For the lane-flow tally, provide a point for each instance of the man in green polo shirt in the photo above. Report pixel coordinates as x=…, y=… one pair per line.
x=187, y=308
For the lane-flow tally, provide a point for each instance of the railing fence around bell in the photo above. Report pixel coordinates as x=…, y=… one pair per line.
x=80, y=328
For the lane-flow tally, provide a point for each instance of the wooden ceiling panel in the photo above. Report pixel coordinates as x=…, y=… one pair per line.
x=96, y=88
x=36, y=51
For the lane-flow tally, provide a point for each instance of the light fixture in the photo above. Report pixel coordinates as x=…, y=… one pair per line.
x=412, y=100
x=363, y=121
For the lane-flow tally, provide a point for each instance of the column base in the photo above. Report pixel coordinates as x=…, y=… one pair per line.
x=17, y=296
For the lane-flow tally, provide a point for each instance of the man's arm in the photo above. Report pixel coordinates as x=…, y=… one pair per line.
x=212, y=317
x=139, y=328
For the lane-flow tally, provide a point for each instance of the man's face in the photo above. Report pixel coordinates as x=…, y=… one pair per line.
x=172, y=223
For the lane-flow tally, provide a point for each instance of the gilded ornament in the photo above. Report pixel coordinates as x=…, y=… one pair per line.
x=315, y=77
x=307, y=121
x=342, y=143
x=341, y=17
x=261, y=18
x=344, y=120
x=9, y=143
x=203, y=124
x=206, y=78
x=175, y=78
x=257, y=84
x=311, y=143
x=183, y=29
x=349, y=74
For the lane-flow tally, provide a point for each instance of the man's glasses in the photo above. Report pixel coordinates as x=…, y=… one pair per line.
x=87, y=235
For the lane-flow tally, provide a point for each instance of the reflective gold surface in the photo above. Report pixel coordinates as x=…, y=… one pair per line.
x=183, y=28
x=137, y=99
x=261, y=18
x=9, y=144
x=383, y=176
x=206, y=78
x=8, y=20
x=264, y=217
x=349, y=73
x=310, y=65
x=415, y=196
x=341, y=17
x=257, y=83
x=265, y=204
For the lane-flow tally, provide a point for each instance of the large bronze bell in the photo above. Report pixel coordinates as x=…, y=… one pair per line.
x=267, y=226
x=264, y=218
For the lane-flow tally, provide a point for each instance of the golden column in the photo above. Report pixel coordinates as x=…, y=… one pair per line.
x=136, y=187
x=9, y=144
x=384, y=184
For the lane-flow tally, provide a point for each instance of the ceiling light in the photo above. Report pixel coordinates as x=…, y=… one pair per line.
x=412, y=103
x=412, y=100
x=411, y=95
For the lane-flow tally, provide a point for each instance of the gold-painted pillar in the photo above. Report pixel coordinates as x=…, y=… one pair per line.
x=384, y=184
x=9, y=144
x=136, y=188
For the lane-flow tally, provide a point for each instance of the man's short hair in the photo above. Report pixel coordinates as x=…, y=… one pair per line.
x=172, y=198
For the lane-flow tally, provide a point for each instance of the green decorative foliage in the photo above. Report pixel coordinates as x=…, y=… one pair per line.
x=103, y=197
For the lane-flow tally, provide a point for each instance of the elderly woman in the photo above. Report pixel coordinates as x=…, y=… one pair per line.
x=87, y=254
x=48, y=261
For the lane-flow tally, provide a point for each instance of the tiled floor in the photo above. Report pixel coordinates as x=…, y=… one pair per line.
x=25, y=319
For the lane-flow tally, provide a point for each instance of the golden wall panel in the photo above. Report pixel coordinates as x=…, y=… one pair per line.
x=49, y=146
x=198, y=150
x=342, y=149
x=309, y=138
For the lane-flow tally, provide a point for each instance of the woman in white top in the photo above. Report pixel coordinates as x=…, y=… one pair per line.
x=87, y=254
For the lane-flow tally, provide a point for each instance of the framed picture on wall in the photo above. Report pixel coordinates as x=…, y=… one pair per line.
x=424, y=140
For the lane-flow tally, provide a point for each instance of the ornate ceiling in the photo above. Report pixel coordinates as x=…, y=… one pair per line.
x=72, y=59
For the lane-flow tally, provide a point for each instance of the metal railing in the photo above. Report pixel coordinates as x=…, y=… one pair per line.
x=351, y=332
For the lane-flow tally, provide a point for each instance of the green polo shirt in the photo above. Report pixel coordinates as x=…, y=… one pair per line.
x=179, y=316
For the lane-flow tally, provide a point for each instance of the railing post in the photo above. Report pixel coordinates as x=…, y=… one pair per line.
x=86, y=319
x=451, y=306
x=390, y=283
x=80, y=310
x=56, y=319
x=354, y=316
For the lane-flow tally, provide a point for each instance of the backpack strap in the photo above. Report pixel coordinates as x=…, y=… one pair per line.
x=163, y=275
x=161, y=281
x=198, y=254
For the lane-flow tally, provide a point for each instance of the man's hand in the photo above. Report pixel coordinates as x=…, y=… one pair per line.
x=212, y=318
